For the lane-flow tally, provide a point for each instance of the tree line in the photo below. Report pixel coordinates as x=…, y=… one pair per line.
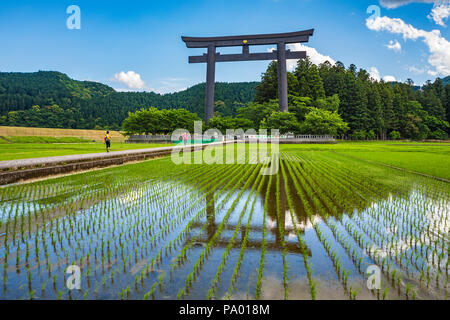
x=323, y=99
x=372, y=109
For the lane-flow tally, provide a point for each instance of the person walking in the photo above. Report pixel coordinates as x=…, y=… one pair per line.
x=185, y=138
x=107, y=141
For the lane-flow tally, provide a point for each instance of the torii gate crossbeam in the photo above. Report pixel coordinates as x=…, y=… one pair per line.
x=281, y=55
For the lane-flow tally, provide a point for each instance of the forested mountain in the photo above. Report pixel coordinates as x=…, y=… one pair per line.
x=370, y=108
x=52, y=99
x=21, y=91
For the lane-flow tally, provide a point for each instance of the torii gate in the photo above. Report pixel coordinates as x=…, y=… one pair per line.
x=281, y=54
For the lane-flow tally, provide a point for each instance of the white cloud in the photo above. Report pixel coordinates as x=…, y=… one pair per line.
x=392, y=4
x=374, y=73
x=134, y=83
x=313, y=55
x=439, y=13
x=389, y=78
x=131, y=79
x=416, y=70
x=394, y=45
x=146, y=89
x=432, y=73
x=438, y=46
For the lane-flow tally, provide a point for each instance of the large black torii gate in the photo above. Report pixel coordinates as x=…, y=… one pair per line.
x=281, y=54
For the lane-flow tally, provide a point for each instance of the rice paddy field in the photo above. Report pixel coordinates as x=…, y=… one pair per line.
x=155, y=230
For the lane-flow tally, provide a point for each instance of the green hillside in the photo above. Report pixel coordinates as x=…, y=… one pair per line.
x=20, y=91
x=67, y=103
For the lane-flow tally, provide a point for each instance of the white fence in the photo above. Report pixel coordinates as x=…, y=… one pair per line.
x=293, y=138
x=282, y=138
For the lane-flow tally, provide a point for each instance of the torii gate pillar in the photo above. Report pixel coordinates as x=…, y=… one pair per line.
x=210, y=80
x=282, y=77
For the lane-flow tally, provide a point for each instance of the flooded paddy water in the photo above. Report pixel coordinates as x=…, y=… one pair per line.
x=155, y=230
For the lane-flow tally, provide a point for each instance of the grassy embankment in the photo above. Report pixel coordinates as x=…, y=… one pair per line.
x=38, y=147
x=24, y=142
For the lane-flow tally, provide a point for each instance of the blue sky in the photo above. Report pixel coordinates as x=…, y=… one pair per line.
x=136, y=45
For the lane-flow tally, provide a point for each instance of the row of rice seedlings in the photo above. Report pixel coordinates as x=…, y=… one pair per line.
x=351, y=180
x=341, y=187
x=397, y=239
x=264, y=230
x=328, y=202
x=254, y=170
x=354, y=251
x=387, y=267
x=403, y=209
x=143, y=273
x=305, y=192
x=391, y=240
x=217, y=181
x=231, y=243
x=434, y=192
x=208, y=188
x=427, y=232
x=226, y=184
x=43, y=222
x=397, y=250
x=368, y=177
x=291, y=208
x=403, y=212
x=69, y=238
x=244, y=241
x=230, y=186
x=176, y=219
x=281, y=228
x=335, y=190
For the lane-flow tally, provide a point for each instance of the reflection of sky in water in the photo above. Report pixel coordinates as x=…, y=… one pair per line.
x=393, y=224
x=137, y=214
x=412, y=215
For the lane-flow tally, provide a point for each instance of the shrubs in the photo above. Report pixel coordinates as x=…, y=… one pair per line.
x=394, y=135
x=323, y=122
x=359, y=135
x=438, y=134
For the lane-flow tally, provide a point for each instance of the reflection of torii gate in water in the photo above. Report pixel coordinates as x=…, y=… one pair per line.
x=211, y=229
x=281, y=54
